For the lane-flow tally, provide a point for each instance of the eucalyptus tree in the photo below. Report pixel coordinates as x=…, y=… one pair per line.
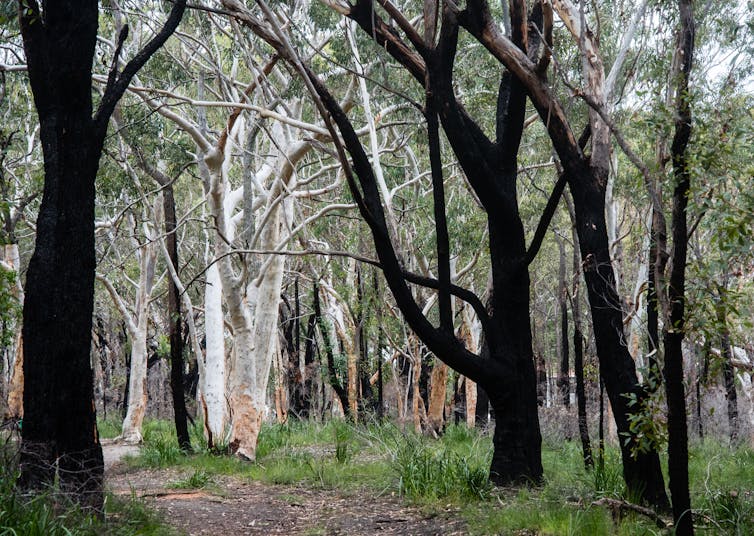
x=506, y=369
x=256, y=166
x=59, y=436
x=430, y=63
x=145, y=246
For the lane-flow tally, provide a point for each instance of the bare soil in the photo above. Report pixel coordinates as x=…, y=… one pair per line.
x=233, y=506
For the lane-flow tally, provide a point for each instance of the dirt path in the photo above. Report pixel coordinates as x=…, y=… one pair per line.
x=233, y=506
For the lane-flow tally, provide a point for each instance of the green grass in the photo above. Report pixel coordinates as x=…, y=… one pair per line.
x=51, y=515
x=109, y=428
x=452, y=472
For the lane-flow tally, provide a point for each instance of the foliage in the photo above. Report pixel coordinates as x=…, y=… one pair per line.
x=198, y=479
x=648, y=429
x=430, y=472
x=10, y=309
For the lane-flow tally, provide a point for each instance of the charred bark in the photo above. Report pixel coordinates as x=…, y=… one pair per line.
x=564, y=374
x=578, y=343
x=175, y=323
x=59, y=435
x=340, y=391
x=674, y=331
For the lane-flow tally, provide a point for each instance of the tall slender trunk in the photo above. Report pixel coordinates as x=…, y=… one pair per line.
x=212, y=384
x=578, y=343
x=641, y=468
x=180, y=416
x=674, y=330
x=324, y=332
x=564, y=373
x=13, y=375
x=380, y=347
x=729, y=376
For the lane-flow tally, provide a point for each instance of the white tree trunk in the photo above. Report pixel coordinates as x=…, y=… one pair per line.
x=137, y=386
x=255, y=348
x=212, y=384
x=15, y=360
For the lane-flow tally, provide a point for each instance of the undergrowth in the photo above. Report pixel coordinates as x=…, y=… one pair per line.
x=53, y=514
x=451, y=473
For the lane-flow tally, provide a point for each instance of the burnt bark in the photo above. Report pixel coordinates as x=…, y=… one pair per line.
x=380, y=348
x=587, y=177
x=335, y=383
x=674, y=330
x=59, y=435
x=175, y=324
x=564, y=373
x=641, y=471
x=578, y=344
x=507, y=371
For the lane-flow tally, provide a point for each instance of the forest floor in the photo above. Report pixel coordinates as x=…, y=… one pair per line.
x=231, y=505
x=337, y=478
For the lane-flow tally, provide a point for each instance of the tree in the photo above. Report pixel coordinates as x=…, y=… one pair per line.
x=587, y=176
x=505, y=368
x=59, y=435
x=673, y=332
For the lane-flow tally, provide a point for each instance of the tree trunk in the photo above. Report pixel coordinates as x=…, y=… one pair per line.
x=138, y=329
x=59, y=431
x=437, y=394
x=674, y=330
x=729, y=376
x=564, y=373
x=174, y=323
x=13, y=379
x=641, y=472
x=578, y=344
x=137, y=388
x=324, y=332
x=212, y=385
x=59, y=434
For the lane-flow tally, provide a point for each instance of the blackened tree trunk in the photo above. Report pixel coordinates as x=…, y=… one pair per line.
x=506, y=371
x=332, y=374
x=482, y=416
x=175, y=323
x=641, y=467
x=578, y=343
x=674, y=330
x=59, y=435
x=587, y=177
x=564, y=374
x=310, y=366
x=658, y=258
x=380, y=347
x=578, y=365
x=366, y=399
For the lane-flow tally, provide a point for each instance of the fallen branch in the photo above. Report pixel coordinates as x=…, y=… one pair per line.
x=617, y=508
